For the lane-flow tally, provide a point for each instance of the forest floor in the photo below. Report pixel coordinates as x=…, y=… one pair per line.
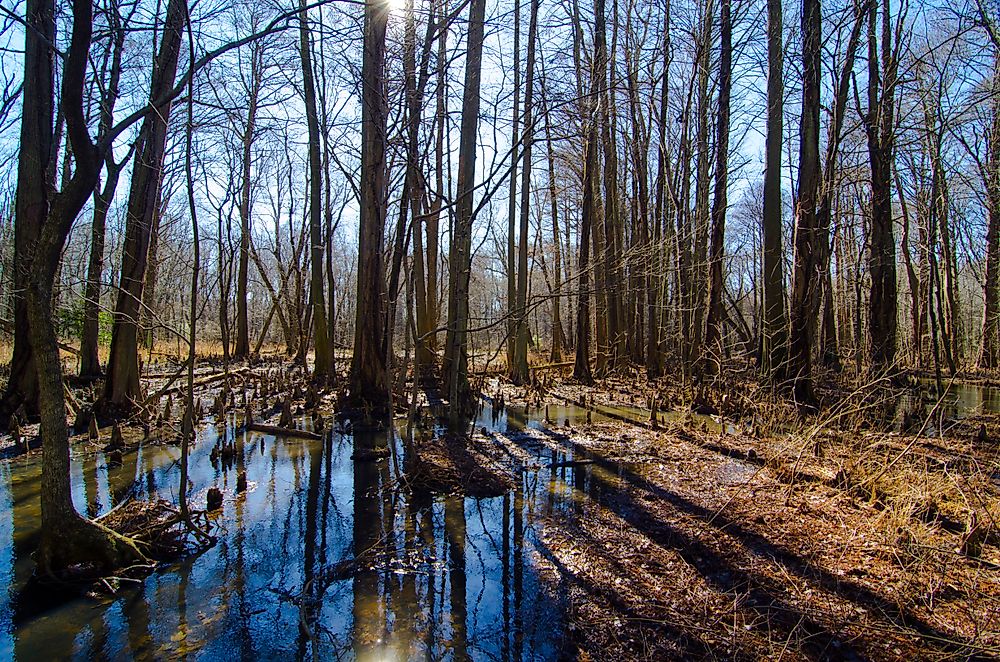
x=825, y=538
x=716, y=521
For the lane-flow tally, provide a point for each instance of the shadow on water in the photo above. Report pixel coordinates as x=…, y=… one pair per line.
x=321, y=558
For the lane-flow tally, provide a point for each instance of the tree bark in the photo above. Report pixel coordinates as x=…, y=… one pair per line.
x=456, y=358
x=90, y=363
x=805, y=276
x=988, y=356
x=122, y=388
x=242, y=347
x=519, y=369
x=612, y=245
x=367, y=383
x=512, y=209
x=321, y=341
x=31, y=205
x=558, y=337
x=66, y=537
x=774, y=332
x=880, y=127
x=716, y=283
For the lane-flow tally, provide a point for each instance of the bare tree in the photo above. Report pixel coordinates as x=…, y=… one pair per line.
x=368, y=382
x=121, y=388
x=456, y=357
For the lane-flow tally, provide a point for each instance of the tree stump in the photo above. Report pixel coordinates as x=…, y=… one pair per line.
x=214, y=499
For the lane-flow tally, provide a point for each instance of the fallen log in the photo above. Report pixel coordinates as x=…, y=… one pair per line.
x=497, y=370
x=279, y=431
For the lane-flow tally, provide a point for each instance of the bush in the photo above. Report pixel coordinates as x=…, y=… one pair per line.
x=69, y=322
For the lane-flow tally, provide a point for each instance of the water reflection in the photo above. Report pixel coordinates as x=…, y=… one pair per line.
x=957, y=401
x=321, y=557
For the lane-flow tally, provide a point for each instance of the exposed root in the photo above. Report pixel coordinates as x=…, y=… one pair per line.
x=156, y=527
x=81, y=549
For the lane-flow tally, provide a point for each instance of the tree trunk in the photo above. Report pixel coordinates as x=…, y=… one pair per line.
x=90, y=363
x=988, y=356
x=805, y=276
x=146, y=311
x=775, y=327
x=456, y=358
x=829, y=354
x=242, y=348
x=696, y=300
x=654, y=298
x=31, y=204
x=512, y=209
x=581, y=364
x=911, y=276
x=66, y=537
x=122, y=389
x=424, y=359
x=880, y=127
x=367, y=383
x=558, y=337
x=519, y=369
x=321, y=340
x=612, y=241
x=716, y=283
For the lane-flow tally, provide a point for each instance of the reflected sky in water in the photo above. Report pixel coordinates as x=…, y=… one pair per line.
x=437, y=578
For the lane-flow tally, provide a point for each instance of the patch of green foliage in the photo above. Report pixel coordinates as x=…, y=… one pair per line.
x=69, y=322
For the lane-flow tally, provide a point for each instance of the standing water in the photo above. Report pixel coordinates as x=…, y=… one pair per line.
x=322, y=557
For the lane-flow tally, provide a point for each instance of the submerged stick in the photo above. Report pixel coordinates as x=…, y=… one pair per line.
x=283, y=432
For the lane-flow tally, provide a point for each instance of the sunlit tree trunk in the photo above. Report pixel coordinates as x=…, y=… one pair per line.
x=519, y=369
x=697, y=300
x=829, y=351
x=368, y=385
x=805, y=276
x=456, y=358
x=655, y=298
x=880, y=128
x=716, y=282
x=321, y=339
x=988, y=356
x=512, y=208
x=913, y=281
x=433, y=288
x=614, y=287
x=558, y=337
x=423, y=290
x=90, y=363
x=242, y=348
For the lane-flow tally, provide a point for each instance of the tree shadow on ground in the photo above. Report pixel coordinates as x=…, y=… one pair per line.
x=715, y=545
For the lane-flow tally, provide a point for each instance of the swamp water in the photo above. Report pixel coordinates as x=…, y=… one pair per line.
x=436, y=578
x=956, y=401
